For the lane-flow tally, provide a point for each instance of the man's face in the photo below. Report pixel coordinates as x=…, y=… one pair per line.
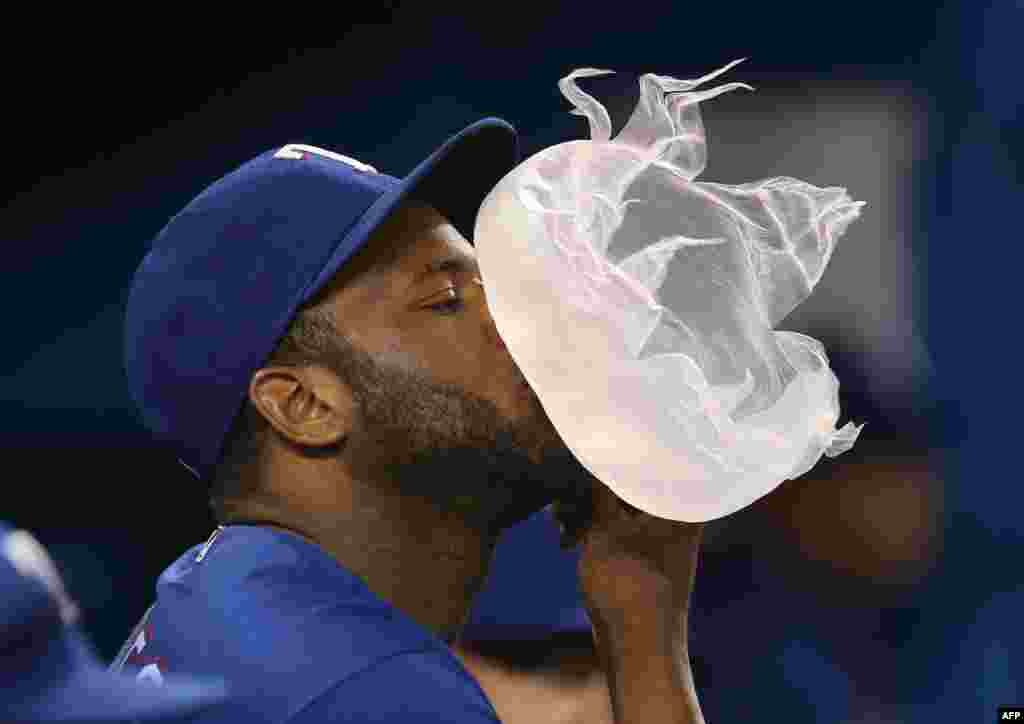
x=445, y=412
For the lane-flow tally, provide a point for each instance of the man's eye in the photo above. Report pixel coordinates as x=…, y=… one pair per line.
x=449, y=306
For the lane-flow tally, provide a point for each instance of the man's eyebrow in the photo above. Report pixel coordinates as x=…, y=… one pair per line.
x=451, y=262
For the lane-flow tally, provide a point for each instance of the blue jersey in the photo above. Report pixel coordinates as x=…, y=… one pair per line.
x=297, y=637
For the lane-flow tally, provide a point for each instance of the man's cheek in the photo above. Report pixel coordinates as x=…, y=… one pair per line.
x=397, y=353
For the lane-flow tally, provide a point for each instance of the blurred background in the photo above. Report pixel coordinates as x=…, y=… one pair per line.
x=882, y=586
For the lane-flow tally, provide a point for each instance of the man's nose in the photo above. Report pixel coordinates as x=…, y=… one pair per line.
x=498, y=342
x=490, y=328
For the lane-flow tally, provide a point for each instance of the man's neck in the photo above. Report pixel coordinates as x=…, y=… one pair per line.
x=427, y=563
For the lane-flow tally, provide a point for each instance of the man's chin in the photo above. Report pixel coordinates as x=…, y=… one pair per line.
x=552, y=474
x=512, y=516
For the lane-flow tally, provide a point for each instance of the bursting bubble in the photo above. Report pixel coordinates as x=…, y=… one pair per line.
x=641, y=306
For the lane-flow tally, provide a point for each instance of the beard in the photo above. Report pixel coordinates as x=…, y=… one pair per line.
x=452, y=449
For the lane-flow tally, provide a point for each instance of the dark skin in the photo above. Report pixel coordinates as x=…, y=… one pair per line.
x=407, y=471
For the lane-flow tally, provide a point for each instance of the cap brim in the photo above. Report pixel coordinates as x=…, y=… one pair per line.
x=91, y=693
x=455, y=180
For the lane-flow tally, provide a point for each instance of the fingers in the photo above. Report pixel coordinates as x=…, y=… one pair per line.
x=600, y=511
x=618, y=519
x=611, y=510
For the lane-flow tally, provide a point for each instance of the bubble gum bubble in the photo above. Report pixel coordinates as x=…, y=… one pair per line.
x=641, y=305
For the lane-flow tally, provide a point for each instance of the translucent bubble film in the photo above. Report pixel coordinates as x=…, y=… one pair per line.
x=641, y=305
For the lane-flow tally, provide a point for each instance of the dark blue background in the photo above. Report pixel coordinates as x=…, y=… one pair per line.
x=113, y=124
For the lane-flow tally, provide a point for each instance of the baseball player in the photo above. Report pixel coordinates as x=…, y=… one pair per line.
x=48, y=670
x=311, y=338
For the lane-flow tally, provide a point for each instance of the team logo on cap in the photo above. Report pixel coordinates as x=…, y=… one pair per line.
x=298, y=152
x=31, y=560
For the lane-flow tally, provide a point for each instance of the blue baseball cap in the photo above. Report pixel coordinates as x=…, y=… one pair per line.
x=226, y=275
x=48, y=670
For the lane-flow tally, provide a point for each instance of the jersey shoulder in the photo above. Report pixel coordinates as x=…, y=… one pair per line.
x=285, y=625
x=414, y=688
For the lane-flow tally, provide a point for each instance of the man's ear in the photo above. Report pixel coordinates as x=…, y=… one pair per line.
x=308, y=405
